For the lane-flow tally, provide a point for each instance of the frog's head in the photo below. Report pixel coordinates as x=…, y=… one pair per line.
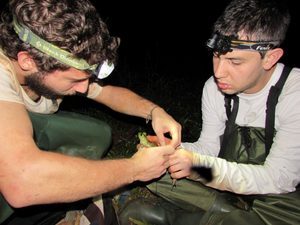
x=142, y=134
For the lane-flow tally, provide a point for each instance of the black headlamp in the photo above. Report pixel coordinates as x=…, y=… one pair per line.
x=223, y=44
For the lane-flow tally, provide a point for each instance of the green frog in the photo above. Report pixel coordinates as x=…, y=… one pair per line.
x=145, y=142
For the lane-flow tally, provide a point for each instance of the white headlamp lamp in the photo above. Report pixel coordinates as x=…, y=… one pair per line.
x=104, y=70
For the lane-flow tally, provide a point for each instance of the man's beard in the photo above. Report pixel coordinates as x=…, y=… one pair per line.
x=36, y=83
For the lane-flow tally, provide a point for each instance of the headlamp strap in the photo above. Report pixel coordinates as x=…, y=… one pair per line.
x=25, y=34
x=224, y=44
x=254, y=46
x=28, y=37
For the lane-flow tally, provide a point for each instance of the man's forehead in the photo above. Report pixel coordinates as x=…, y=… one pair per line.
x=239, y=54
x=72, y=73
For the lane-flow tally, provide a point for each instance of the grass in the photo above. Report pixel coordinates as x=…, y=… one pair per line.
x=179, y=96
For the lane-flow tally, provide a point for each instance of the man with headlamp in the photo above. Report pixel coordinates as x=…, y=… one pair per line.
x=250, y=138
x=52, y=48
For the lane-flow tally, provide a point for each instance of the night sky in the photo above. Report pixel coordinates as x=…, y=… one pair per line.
x=174, y=35
x=177, y=32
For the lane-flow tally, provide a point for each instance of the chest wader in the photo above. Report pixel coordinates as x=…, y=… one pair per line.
x=250, y=145
x=69, y=134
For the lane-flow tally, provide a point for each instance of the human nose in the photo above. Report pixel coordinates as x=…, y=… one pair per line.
x=81, y=86
x=219, y=69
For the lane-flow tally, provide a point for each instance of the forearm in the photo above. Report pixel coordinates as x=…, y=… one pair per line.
x=243, y=178
x=30, y=176
x=40, y=177
x=54, y=178
x=202, y=146
x=125, y=101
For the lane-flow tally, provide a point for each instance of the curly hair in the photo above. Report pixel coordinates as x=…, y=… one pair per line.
x=259, y=20
x=72, y=25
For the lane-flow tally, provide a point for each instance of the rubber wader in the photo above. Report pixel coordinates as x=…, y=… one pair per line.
x=242, y=145
x=69, y=134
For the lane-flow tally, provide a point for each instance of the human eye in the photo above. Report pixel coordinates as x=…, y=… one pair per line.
x=236, y=62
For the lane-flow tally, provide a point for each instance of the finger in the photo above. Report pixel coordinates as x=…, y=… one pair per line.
x=152, y=138
x=166, y=164
x=172, y=169
x=173, y=162
x=177, y=168
x=138, y=147
x=141, y=146
x=161, y=139
x=173, y=156
x=167, y=150
x=163, y=172
x=180, y=174
x=176, y=139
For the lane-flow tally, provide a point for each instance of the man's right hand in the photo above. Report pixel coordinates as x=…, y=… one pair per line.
x=151, y=163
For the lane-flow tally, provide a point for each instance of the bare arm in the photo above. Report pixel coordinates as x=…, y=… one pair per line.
x=126, y=101
x=30, y=176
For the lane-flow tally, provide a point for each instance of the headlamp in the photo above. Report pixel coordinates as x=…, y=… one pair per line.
x=223, y=44
x=104, y=70
x=26, y=35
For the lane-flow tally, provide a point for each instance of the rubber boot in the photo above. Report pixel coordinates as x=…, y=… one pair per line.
x=153, y=211
x=156, y=211
x=188, y=218
x=222, y=205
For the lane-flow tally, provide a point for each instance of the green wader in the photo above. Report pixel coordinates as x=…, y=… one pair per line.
x=264, y=209
x=245, y=145
x=69, y=134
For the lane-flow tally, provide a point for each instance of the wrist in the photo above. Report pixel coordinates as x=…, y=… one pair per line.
x=196, y=159
x=135, y=169
x=131, y=170
x=152, y=112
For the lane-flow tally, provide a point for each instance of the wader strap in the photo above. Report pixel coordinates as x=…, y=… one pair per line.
x=270, y=113
x=271, y=105
x=94, y=214
x=228, y=99
x=231, y=115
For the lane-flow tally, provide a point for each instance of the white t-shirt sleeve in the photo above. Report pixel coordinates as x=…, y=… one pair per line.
x=214, y=118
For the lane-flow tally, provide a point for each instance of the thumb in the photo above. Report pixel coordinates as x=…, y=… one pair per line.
x=161, y=139
x=153, y=139
x=167, y=150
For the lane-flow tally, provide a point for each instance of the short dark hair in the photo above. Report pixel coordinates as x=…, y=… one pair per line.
x=72, y=25
x=259, y=20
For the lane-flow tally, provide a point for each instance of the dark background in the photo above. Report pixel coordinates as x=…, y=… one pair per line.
x=169, y=38
x=175, y=34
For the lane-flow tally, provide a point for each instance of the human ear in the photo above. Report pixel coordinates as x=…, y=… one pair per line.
x=26, y=61
x=272, y=57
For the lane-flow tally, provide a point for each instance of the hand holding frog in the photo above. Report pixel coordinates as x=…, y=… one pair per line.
x=163, y=123
x=151, y=163
x=150, y=141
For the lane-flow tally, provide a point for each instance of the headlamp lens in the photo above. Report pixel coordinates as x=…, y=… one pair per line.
x=104, y=70
x=219, y=44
